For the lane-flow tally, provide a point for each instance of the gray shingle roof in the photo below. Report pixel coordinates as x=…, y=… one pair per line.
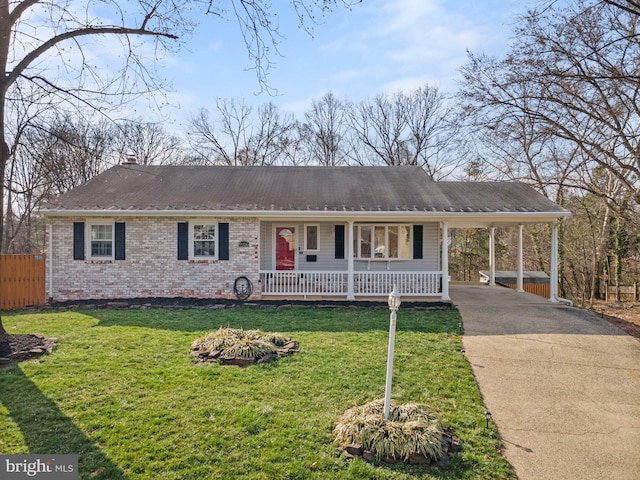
x=337, y=189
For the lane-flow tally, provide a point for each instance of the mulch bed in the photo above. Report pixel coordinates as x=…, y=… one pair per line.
x=23, y=346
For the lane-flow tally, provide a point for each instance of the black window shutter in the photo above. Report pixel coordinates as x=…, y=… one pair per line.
x=339, y=239
x=120, y=240
x=223, y=241
x=78, y=240
x=417, y=242
x=183, y=241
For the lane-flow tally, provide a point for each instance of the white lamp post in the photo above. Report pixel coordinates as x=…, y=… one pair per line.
x=394, y=304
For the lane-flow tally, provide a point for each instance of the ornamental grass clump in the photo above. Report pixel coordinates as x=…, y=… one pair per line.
x=248, y=348
x=411, y=429
x=246, y=345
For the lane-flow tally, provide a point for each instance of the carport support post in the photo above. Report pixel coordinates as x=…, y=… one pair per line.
x=492, y=256
x=445, y=262
x=553, y=281
x=520, y=286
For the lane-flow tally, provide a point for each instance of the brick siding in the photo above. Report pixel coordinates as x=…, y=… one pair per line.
x=151, y=267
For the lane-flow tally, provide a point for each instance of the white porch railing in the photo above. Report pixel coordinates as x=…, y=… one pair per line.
x=416, y=284
x=296, y=282
x=372, y=284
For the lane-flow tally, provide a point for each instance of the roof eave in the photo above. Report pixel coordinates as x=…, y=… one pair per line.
x=456, y=218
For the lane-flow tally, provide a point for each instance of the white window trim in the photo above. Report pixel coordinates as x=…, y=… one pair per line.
x=357, y=237
x=306, y=245
x=203, y=221
x=87, y=236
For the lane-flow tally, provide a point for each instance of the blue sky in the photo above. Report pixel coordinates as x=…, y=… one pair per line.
x=378, y=46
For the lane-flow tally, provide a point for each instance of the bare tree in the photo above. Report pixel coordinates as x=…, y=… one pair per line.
x=325, y=130
x=47, y=58
x=629, y=6
x=240, y=136
x=148, y=143
x=575, y=75
x=403, y=129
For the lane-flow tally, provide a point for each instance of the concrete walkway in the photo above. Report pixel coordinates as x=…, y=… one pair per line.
x=562, y=385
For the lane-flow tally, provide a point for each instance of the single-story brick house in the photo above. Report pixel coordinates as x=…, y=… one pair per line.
x=288, y=232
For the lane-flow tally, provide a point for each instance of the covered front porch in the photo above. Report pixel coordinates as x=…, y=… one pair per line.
x=359, y=281
x=352, y=259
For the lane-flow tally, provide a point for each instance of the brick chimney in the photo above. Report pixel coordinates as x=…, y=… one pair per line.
x=130, y=160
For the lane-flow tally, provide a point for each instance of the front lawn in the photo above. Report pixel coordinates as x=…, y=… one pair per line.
x=122, y=391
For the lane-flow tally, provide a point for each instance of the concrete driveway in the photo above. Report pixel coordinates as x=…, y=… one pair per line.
x=562, y=384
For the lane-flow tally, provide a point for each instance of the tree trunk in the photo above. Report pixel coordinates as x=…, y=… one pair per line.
x=4, y=158
x=3, y=333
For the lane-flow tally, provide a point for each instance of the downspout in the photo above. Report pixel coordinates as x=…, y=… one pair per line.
x=553, y=286
x=50, y=258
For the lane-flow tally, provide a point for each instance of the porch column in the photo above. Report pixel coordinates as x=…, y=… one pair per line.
x=350, y=292
x=520, y=287
x=492, y=256
x=445, y=262
x=553, y=281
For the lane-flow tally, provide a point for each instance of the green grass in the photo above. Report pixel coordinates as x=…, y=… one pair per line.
x=122, y=391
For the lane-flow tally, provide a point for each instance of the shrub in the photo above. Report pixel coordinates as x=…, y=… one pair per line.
x=411, y=428
x=239, y=343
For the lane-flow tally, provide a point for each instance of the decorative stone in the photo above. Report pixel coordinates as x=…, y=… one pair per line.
x=455, y=445
x=368, y=455
x=354, y=450
x=241, y=362
x=419, y=459
x=18, y=355
x=116, y=305
x=270, y=357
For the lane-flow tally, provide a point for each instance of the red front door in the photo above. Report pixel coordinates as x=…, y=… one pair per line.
x=285, y=248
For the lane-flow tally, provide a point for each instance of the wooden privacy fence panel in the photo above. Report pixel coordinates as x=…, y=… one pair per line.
x=22, y=281
x=628, y=293
x=540, y=289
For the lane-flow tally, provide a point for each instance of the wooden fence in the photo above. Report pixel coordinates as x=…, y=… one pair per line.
x=541, y=289
x=628, y=293
x=22, y=281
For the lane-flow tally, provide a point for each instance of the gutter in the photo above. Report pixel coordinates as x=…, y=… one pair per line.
x=291, y=214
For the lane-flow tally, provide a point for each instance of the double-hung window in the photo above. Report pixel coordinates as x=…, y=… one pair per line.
x=204, y=237
x=312, y=237
x=101, y=238
x=382, y=242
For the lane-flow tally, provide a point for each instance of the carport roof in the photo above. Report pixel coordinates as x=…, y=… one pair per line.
x=263, y=190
